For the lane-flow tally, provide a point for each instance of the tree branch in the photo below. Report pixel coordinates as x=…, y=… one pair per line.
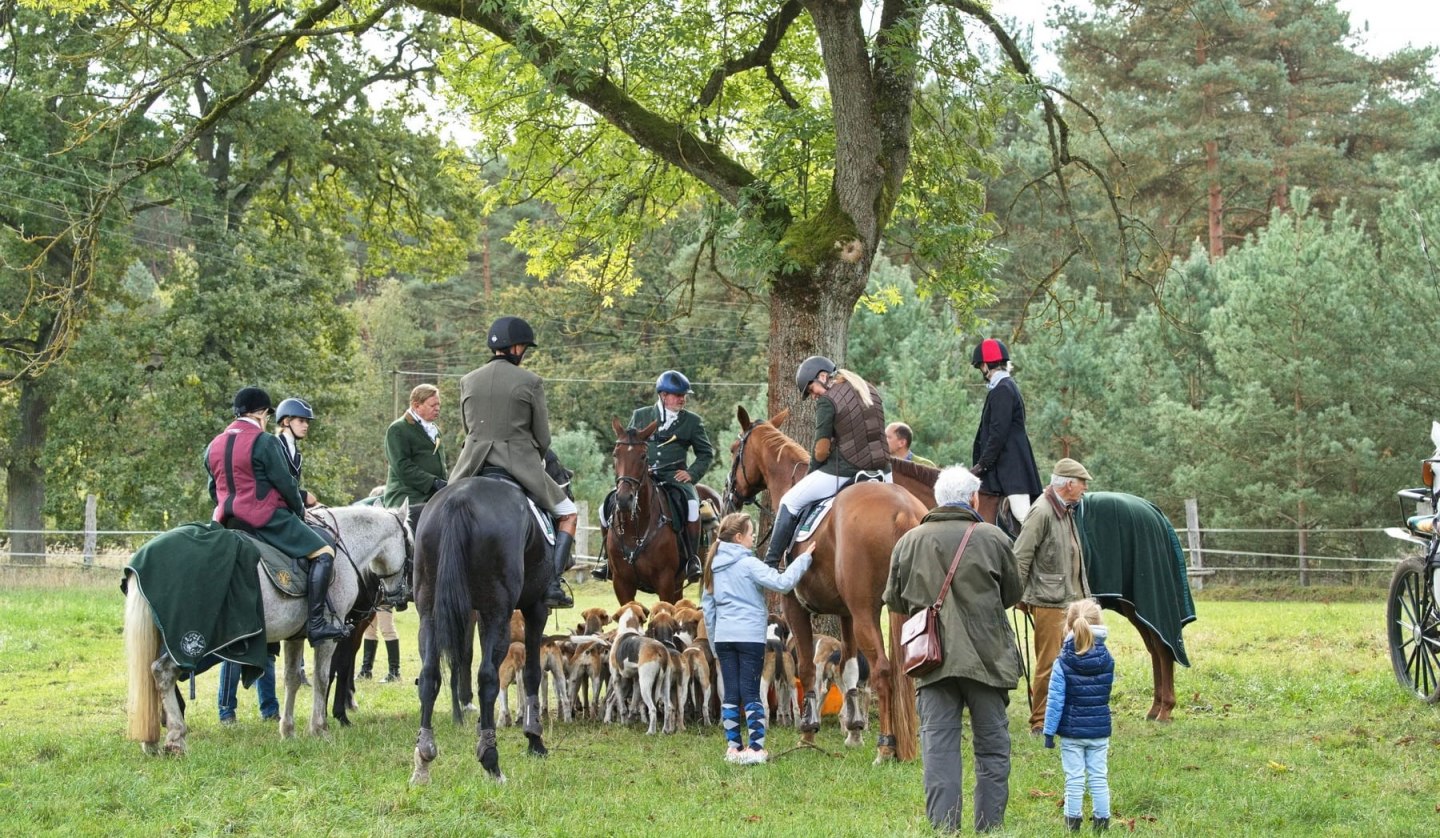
x=758, y=56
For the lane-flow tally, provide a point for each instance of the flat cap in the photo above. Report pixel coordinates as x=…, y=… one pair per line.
x=1070, y=468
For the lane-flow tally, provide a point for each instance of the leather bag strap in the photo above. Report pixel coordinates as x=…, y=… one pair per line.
x=954, y=565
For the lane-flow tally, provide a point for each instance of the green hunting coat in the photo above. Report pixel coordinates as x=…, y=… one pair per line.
x=507, y=424
x=666, y=450
x=415, y=463
x=977, y=640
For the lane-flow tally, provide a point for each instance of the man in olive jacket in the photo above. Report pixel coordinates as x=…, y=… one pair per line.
x=981, y=664
x=415, y=456
x=1052, y=571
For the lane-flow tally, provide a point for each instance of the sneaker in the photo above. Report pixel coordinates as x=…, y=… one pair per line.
x=754, y=756
x=735, y=755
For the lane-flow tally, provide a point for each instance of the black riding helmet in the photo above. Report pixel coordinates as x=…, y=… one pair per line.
x=810, y=369
x=249, y=400
x=510, y=331
x=296, y=408
x=989, y=351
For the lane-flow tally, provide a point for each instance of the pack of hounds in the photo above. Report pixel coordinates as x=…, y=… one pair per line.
x=656, y=667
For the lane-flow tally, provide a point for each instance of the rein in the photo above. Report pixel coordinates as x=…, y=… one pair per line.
x=657, y=522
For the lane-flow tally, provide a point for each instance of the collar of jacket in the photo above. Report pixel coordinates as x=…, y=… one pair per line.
x=1061, y=508
x=951, y=513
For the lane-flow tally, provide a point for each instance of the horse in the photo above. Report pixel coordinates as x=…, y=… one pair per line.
x=1134, y=566
x=847, y=576
x=480, y=547
x=641, y=545
x=372, y=538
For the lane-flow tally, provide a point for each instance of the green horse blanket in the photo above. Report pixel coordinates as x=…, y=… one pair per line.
x=201, y=581
x=1133, y=554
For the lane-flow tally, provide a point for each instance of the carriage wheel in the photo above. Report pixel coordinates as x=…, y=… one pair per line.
x=1413, y=629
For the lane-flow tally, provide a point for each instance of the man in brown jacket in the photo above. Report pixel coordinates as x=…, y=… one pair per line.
x=507, y=426
x=1052, y=570
x=981, y=664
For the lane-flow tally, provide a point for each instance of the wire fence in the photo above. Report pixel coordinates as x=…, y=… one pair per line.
x=1349, y=556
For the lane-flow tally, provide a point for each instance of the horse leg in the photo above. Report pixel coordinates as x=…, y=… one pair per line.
x=535, y=615
x=165, y=674
x=799, y=621
x=852, y=718
x=320, y=681
x=467, y=663
x=495, y=629
x=425, y=749
x=1162, y=671
x=294, y=653
x=869, y=641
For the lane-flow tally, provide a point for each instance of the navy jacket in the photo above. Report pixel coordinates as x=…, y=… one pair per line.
x=1079, y=701
x=1001, y=454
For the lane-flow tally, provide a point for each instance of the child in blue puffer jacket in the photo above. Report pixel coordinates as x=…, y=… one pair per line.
x=733, y=601
x=1079, y=711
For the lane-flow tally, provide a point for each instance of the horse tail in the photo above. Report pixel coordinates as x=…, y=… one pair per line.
x=142, y=648
x=904, y=724
x=450, y=624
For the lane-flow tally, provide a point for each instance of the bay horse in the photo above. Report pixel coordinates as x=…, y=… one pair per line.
x=481, y=548
x=1134, y=565
x=641, y=545
x=373, y=538
x=847, y=576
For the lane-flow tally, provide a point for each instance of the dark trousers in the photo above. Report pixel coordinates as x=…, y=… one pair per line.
x=942, y=709
x=740, y=665
x=264, y=690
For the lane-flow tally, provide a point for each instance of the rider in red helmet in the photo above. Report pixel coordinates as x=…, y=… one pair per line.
x=1002, y=458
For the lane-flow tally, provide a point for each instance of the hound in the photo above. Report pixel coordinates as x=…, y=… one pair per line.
x=589, y=674
x=553, y=664
x=511, y=670
x=779, y=671
x=853, y=680
x=639, y=667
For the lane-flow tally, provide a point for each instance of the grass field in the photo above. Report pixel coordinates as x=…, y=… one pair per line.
x=1289, y=723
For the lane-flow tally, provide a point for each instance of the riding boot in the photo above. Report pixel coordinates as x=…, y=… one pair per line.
x=692, y=549
x=601, y=572
x=1101, y=824
x=781, y=535
x=556, y=596
x=392, y=654
x=317, y=626
x=367, y=665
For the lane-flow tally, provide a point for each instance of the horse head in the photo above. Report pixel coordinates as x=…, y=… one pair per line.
x=747, y=474
x=628, y=457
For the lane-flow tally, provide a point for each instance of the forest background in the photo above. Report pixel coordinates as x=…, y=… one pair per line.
x=1227, y=298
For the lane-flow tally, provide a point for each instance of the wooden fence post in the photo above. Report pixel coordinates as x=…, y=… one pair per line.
x=1192, y=528
x=89, y=548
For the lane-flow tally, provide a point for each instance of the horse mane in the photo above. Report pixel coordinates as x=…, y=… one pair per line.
x=915, y=471
x=861, y=385
x=778, y=444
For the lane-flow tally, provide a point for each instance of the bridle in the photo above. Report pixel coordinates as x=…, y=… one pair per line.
x=657, y=523
x=733, y=498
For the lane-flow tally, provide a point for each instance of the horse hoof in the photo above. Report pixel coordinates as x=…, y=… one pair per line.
x=425, y=749
x=883, y=756
x=537, y=748
x=808, y=726
x=853, y=739
x=421, y=775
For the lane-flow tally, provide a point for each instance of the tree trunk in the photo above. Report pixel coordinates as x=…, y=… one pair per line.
x=25, y=479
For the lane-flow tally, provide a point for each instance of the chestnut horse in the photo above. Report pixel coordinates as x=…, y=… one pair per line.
x=847, y=576
x=641, y=545
x=1119, y=591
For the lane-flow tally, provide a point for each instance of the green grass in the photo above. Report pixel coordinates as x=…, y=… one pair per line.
x=1289, y=723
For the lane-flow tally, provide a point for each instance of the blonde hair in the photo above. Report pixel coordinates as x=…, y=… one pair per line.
x=861, y=386
x=422, y=393
x=1079, y=617
x=732, y=526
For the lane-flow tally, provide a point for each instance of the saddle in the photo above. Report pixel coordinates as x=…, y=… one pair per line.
x=812, y=515
x=287, y=573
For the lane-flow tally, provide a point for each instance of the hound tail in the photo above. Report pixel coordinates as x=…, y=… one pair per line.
x=142, y=648
x=904, y=724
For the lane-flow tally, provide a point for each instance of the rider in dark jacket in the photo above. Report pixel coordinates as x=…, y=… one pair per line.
x=1002, y=457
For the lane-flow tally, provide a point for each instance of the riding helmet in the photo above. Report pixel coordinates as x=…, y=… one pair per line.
x=297, y=408
x=810, y=369
x=249, y=400
x=511, y=331
x=673, y=382
x=990, y=351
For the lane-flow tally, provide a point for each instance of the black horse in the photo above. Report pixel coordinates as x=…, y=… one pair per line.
x=479, y=547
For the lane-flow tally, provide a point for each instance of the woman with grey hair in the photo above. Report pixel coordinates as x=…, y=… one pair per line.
x=981, y=664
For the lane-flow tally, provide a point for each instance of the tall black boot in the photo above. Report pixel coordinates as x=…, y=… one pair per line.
x=367, y=665
x=317, y=626
x=781, y=535
x=691, y=547
x=392, y=654
x=601, y=572
x=556, y=596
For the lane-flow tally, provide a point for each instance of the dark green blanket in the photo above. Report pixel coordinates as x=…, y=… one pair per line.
x=1133, y=554
x=201, y=581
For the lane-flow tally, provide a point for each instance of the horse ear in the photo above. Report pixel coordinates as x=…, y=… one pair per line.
x=743, y=416
x=779, y=419
x=649, y=429
x=619, y=429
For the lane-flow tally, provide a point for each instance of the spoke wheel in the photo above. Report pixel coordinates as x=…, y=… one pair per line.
x=1413, y=629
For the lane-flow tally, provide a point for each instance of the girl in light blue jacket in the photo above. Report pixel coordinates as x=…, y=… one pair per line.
x=733, y=601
